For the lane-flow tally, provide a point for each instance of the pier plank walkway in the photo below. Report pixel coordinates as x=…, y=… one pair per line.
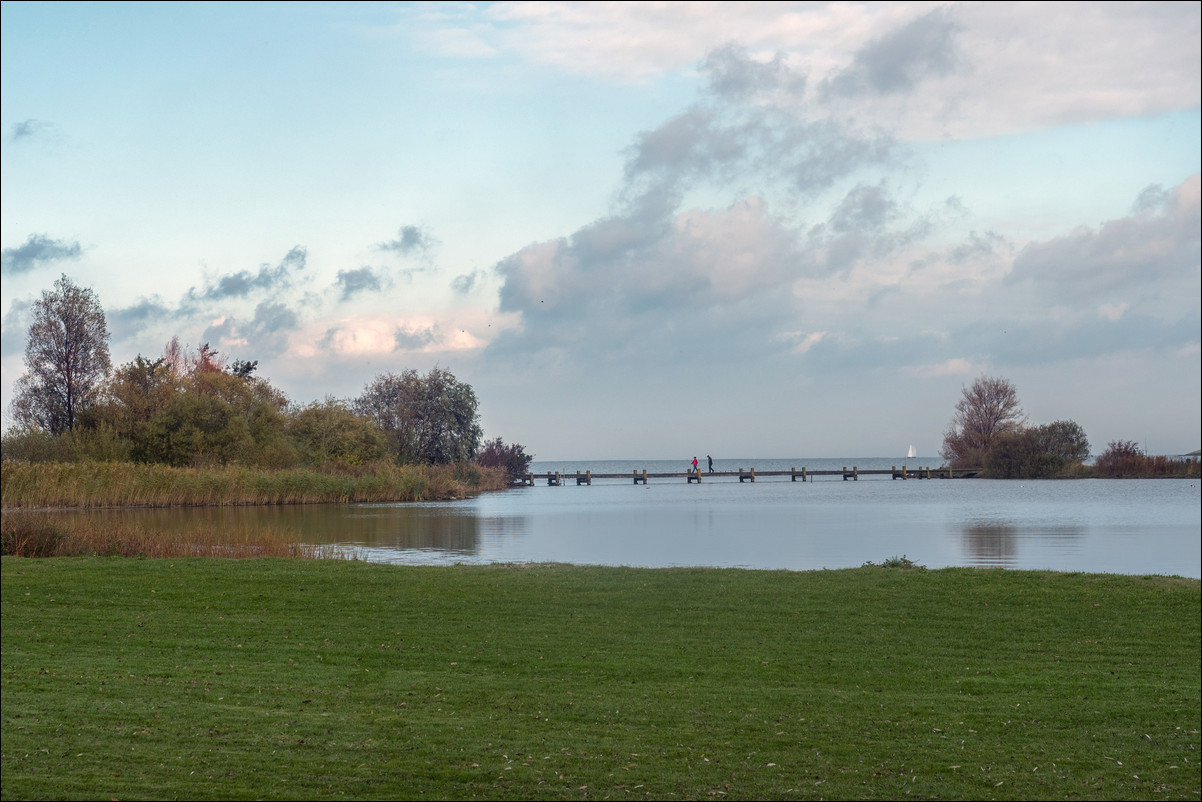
x=556, y=478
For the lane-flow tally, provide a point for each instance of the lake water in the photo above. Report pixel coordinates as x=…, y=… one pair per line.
x=1090, y=525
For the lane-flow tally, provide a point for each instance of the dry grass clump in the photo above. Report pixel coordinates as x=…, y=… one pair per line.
x=47, y=535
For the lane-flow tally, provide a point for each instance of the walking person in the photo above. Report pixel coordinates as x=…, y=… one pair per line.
x=694, y=465
x=711, y=461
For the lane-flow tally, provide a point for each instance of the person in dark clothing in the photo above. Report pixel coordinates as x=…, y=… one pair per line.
x=711, y=460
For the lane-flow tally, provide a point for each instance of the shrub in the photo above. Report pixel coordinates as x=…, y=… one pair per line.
x=512, y=458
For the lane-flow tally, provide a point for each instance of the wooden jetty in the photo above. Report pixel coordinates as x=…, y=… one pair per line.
x=558, y=479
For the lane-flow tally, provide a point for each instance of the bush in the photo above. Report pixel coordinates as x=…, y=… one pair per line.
x=1121, y=458
x=1124, y=459
x=513, y=458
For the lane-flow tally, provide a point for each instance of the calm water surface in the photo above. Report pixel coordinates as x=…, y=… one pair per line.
x=1091, y=525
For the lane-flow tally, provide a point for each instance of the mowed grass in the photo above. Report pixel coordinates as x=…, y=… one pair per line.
x=287, y=679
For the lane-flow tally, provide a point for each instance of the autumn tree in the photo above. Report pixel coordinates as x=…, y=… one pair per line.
x=512, y=457
x=1039, y=452
x=427, y=419
x=329, y=431
x=66, y=358
x=986, y=411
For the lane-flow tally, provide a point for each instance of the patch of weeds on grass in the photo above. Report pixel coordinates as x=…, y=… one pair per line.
x=903, y=562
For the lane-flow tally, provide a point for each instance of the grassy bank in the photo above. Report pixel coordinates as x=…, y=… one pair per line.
x=277, y=679
x=108, y=484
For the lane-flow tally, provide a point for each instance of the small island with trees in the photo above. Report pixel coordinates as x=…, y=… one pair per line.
x=990, y=432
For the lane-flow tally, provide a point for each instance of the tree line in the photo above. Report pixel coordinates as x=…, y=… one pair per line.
x=193, y=407
x=990, y=431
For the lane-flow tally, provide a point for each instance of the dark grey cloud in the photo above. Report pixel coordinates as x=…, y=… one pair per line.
x=410, y=241
x=864, y=208
x=354, y=282
x=978, y=246
x=268, y=278
x=1147, y=257
x=467, y=282
x=265, y=334
x=731, y=74
x=29, y=129
x=130, y=323
x=37, y=251
x=412, y=339
x=901, y=59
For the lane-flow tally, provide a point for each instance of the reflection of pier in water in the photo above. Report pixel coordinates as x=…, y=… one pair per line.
x=997, y=545
x=558, y=478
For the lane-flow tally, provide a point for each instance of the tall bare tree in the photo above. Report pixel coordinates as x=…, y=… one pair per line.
x=986, y=411
x=66, y=359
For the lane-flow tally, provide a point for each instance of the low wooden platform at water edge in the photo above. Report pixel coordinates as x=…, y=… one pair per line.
x=556, y=478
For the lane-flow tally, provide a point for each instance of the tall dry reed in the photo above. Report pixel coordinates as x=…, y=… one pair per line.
x=26, y=485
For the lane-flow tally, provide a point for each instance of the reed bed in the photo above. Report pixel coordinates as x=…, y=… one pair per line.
x=28, y=534
x=108, y=484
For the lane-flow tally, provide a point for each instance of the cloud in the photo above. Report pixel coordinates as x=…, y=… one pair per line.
x=15, y=328
x=733, y=75
x=410, y=241
x=264, y=335
x=30, y=129
x=898, y=61
x=962, y=70
x=38, y=250
x=245, y=282
x=414, y=339
x=355, y=282
x=1143, y=261
x=464, y=284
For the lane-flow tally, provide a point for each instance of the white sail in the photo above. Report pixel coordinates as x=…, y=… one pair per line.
x=911, y=452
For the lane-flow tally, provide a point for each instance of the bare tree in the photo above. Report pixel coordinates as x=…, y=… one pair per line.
x=986, y=411
x=66, y=358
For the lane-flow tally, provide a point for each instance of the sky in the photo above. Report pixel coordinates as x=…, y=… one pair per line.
x=637, y=230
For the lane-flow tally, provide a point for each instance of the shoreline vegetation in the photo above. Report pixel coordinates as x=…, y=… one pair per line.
x=43, y=485
x=286, y=679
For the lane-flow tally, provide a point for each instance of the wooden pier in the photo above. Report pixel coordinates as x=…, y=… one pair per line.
x=558, y=479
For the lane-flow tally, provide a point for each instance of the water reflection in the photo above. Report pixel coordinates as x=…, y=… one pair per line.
x=998, y=545
x=1138, y=527
x=401, y=527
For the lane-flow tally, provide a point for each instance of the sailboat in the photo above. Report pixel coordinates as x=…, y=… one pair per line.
x=911, y=454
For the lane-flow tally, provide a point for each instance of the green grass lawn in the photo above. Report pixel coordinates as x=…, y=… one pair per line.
x=286, y=679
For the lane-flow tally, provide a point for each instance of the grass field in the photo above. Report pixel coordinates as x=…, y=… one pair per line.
x=315, y=679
